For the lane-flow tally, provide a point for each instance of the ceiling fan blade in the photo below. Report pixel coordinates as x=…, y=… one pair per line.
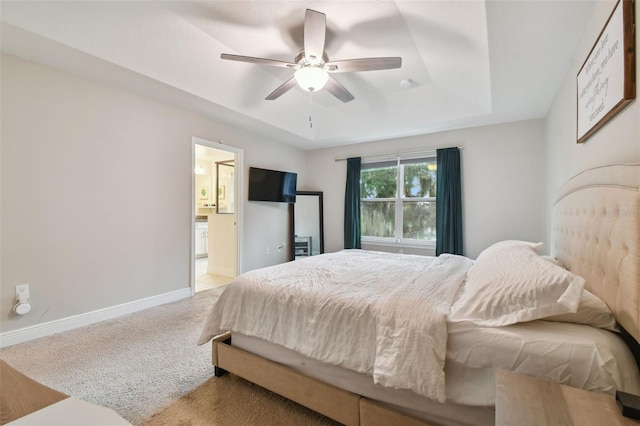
x=364, y=64
x=315, y=27
x=260, y=61
x=284, y=88
x=338, y=90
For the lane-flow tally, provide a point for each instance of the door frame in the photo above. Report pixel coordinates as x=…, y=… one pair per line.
x=238, y=196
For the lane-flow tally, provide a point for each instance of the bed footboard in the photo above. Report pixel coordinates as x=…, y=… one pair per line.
x=338, y=404
x=325, y=399
x=374, y=414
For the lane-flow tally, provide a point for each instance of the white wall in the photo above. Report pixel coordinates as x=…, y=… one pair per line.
x=617, y=142
x=96, y=184
x=96, y=193
x=503, y=168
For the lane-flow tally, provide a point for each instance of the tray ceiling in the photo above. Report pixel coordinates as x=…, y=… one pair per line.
x=469, y=63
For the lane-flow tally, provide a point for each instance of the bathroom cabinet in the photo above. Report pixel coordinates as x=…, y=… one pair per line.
x=202, y=239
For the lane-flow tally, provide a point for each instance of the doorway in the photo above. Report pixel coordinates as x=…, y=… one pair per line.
x=217, y=212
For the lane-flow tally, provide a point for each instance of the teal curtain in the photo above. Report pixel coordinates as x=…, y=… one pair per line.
x=448, y=202
x=352, y=204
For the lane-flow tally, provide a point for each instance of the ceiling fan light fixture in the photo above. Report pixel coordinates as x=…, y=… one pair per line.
x=313, y=65
x=311, y=78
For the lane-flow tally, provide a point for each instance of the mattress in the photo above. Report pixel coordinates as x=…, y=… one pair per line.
x=381, y=314
x=578, y=355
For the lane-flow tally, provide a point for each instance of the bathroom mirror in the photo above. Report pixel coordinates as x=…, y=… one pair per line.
x=224, y=187
x=306, y=225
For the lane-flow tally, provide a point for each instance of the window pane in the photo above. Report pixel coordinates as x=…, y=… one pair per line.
x=378, y=183
x=419, y=220
x=378, y=218
x=420, y=179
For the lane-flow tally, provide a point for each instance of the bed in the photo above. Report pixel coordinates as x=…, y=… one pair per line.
x=417, y=340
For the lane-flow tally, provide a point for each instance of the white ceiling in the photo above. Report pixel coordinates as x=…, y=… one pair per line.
x=471, y=62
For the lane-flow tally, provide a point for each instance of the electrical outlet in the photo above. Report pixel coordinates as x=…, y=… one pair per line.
x=22, y=291
x=268, y=250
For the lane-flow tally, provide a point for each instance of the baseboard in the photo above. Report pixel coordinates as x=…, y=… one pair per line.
x=25, y=334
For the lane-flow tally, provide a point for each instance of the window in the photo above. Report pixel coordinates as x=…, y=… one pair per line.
x=398, y=203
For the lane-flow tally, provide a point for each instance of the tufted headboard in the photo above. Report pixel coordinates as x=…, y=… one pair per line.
x=596, y=234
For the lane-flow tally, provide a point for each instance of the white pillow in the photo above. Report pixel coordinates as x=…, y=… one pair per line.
x=511, y=243
x=511, y=283
x=591, y=311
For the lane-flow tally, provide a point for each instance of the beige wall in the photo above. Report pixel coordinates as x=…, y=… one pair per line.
x=503, y=169
x=96, y=194
x=617, y=142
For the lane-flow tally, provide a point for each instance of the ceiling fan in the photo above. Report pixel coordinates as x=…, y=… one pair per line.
x=312, y=66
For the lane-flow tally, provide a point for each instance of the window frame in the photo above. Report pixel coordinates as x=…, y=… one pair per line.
x=400, y=199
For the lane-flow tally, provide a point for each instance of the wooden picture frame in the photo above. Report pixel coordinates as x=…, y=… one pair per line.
x=606, y=82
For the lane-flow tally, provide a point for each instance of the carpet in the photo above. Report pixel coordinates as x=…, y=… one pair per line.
x=135, y=364
x=147, y=367
x=230, y=400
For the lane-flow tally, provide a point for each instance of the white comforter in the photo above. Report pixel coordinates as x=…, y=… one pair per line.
x=376, y=313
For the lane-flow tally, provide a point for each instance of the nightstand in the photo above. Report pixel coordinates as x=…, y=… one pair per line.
x=524, y=400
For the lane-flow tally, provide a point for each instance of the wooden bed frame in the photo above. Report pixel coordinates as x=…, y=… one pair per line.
x=340, y=405
x=596, y=234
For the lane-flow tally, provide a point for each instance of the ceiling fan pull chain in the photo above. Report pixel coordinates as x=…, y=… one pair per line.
x=310, y=108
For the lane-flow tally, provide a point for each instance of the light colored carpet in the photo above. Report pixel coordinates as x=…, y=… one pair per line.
x=230, y=400
x=144, y=362
x=135, y=364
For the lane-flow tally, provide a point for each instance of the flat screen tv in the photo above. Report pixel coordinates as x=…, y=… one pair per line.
x=272, y=185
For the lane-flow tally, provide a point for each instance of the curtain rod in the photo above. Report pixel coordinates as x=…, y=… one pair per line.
x=424, y=151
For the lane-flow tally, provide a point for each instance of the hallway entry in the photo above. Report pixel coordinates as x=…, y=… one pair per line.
x=216, y=239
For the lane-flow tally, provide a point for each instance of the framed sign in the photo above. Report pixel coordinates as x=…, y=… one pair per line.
x=606, y=82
